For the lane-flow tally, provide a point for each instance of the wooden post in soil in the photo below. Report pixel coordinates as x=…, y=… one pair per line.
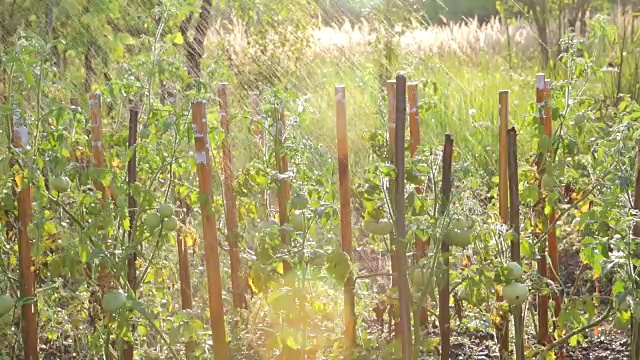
x=391, y=128
x=444, y=315
x=345, y=216
x=284, y=187
x=514, y=220
x=635, y=325
x=132, y=175
x=543, y=300
x=211, y=254
x=29, y=314
x=553, y=242
x=400, y=217
x=97, y=148
x=421, y=244
x=230, y=201
x=502, y=331
x=186, y=296
x=258, y=137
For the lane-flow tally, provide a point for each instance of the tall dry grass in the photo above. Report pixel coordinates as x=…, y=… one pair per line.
x=464, y=38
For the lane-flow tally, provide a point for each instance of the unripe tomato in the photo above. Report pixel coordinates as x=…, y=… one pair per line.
x=61, y=184
x=165, y=210
x=113, y=301
x=299, y=202
x=170, y=224
x=152, y=221
x=515, y=293
x=6, y=304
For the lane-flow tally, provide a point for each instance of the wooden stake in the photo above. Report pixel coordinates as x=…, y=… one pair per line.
x=400, y=217
x=132, y=174
x=211, y=255
x=230, y=201
x=444, y=317
x=502, y=331
x=258, y=137
x=543, y=300
x=97, y=147
x=29, y=315
x=284, y=187
x=503, y=181
x=185, y=278
x=391, y=107
x=514, y=197
x=635, y=325
x=345, y=215
x=553, y=243
x=421, y=244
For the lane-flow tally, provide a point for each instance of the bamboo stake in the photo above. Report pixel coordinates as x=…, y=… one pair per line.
x=345, y=215
x=132, y=174
x=444, y=317
x=19, y=141
x=391, y=128
x=400, y=217
x=284, y=188
x=231, y=205
x=211, y=255
x=502, y=333
x=514, y=197
x=543, y=300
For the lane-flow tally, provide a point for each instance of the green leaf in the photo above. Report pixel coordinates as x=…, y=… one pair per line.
x=175, y=38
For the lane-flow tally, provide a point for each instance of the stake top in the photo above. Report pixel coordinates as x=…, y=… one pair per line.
x=540, y=81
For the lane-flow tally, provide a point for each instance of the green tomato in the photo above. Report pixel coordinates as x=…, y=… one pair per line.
x=152, y=221
x=145, y=133
x=385, y=227
x=297, y=222
x=515, y=293
x=460, y=224
x=6, y=304
x=299, y=202
x=548, y=182
x=514, y=271
x=170, y=224
x=381, y=228
x=113, y=301
x=338, y=266
x=165, y=210
x=8, y=202
x=461, y=238
x=61, y=184
x=419, y=278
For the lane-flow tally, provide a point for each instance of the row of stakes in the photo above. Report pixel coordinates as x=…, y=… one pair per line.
x=399, y=92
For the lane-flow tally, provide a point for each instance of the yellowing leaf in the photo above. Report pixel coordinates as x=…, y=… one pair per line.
x=175, y=38
x=585, y=207
x=19, y=177
x=116, y=162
